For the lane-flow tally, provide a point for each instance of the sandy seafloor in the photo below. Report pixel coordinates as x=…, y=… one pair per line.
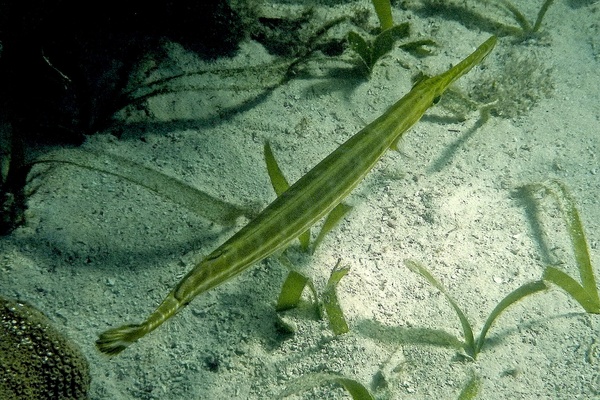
x=97, y=252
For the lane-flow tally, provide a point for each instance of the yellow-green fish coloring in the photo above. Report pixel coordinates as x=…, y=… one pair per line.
x=305, y=202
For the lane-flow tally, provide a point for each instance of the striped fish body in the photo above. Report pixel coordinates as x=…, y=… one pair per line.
x=317, y=192
x=313, y=196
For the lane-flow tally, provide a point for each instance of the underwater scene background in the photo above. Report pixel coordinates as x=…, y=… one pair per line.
x=140, y=149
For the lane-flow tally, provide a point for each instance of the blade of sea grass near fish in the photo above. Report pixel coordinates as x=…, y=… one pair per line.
x=353, y=387
x=578, y=240
x=165, y=186
x=471, y=389
x=572, y=287
x=467, y=330
x=383, y=8
x=291, y=291
x=280, y=184
x=337, y=321
x=514, y=296
x=331, y=221
x=586, y=293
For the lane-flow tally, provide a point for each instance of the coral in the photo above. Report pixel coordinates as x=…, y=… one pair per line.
x=36, y=360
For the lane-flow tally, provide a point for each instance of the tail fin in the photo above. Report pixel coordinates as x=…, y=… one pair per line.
x=114, y=341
